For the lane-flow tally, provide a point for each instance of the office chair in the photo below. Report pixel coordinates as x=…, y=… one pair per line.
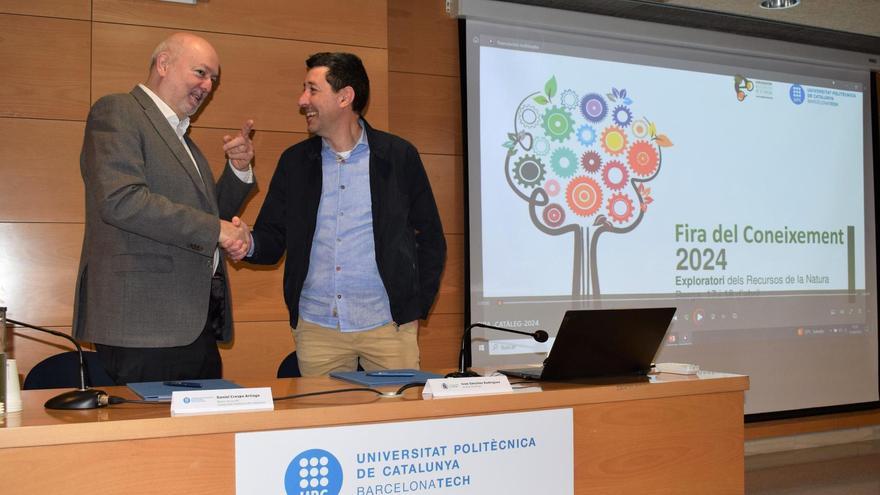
x=62, y=371
x=289, y=368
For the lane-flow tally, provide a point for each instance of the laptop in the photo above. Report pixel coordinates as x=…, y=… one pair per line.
x=602, y=343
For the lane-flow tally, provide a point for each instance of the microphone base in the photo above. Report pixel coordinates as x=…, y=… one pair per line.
x=462, y=374
x=78, y=399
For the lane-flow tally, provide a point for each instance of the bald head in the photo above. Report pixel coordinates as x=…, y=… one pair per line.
x=176, y=44
x=183, y=70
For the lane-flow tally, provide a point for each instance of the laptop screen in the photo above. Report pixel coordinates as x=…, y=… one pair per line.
x=606, y=342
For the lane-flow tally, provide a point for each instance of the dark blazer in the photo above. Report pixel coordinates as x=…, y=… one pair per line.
x=410, y=247
x=151, y=229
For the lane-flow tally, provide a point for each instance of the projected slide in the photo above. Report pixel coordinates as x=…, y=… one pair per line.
x=609, y=178
x=615, y=164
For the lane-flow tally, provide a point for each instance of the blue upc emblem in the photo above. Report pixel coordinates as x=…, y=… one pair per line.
x=796, y=93
x=313, y=472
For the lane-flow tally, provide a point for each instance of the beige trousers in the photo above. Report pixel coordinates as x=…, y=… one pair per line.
x=320, y=350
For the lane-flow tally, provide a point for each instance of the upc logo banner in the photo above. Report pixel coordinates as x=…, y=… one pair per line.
x=313, y=472
x=475, y=455
x=797, y=94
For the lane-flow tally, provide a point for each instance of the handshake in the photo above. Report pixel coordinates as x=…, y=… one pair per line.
x=235, y=238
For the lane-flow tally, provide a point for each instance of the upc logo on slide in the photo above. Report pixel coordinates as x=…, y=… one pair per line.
x=796, y=93
x=313, y=472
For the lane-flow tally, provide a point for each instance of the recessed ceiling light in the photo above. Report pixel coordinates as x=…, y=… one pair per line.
x=779, y=4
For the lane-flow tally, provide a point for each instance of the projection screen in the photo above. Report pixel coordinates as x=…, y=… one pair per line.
x=615, y=163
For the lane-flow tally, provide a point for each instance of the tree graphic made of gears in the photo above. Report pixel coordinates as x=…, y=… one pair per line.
x=580, y=159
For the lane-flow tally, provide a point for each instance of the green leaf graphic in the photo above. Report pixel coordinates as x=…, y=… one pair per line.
x=550, y=87
x=540, y=100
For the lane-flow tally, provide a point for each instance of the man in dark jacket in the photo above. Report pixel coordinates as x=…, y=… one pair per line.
x=354, y=211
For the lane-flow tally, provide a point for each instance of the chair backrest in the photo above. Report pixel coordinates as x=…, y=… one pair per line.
x=289, y=368
x=62, y=371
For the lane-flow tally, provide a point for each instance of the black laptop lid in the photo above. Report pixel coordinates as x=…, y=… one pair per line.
x=606, y=342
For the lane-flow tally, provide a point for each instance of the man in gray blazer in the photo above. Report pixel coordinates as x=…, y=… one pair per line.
x=151, y=289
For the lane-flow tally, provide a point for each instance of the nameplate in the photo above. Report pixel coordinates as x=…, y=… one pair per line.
x=457, y=387
x=192, y=402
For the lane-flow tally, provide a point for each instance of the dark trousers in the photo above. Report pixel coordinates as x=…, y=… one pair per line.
x=200, y=359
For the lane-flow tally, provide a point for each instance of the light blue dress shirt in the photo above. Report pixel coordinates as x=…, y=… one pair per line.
x=343, y=288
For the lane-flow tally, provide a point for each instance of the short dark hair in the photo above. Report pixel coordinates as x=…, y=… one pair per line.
x=344, y=69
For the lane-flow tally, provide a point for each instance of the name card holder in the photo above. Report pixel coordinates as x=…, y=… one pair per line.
x=193, y=402
x=458, y=387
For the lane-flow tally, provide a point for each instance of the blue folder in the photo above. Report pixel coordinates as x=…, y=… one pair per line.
x=364, y=377
x=159, y=391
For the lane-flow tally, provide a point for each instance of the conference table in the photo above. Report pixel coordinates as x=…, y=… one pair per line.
x=672, y=434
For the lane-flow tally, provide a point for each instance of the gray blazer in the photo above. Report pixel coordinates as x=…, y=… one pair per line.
x=151, y=229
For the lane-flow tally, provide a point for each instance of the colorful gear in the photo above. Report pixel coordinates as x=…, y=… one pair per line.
x=622, y=116
x=586, y=135
x=639, y=128
x=584, y=196
x=613, y=140
x=617, y=201
x=552, y=187
x=591, y=161
x=553, y=215
x=593, y=107
x=541, y=146
x=615, y=175
x=643, y=159
x=529, y=116
x=564, y=162
x=558, y=124
x=569, y=99
x=529, y=171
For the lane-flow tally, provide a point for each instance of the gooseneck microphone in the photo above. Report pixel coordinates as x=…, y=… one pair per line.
x=84, y=398
x=538, y=335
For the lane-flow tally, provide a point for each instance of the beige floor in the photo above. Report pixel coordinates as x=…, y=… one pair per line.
x=850, y=469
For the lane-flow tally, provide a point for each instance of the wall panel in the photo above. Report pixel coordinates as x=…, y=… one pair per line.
x=67, y=9
x=35, y=84
x=447, y=182
x=440, y=339
x=258, y=349
x=40, y=183
x=260, y=78
x=257, y=292
x=38, y=263
x=29, y=347
x=422, y=38
x=427, y=111
x=285, y=19
x=451, y=296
